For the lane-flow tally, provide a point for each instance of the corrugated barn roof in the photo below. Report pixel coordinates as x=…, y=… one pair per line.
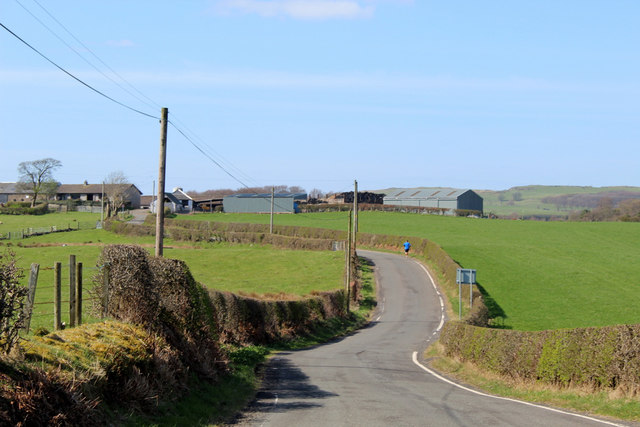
x=425, y=193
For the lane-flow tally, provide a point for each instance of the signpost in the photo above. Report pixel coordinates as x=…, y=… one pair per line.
x=465, y=276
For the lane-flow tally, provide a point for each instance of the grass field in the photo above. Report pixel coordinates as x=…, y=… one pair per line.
x=542, y=275
x=531, y=199
x=236, y=268
x=60, y=220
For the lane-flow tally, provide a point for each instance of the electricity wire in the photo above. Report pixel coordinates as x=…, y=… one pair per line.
x=79, y=54
x=151, y=103
x=74, y=77
x=183, y=133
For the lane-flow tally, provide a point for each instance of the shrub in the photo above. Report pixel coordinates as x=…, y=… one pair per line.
x=161, y=295
x=12, y=296
x=24, y=208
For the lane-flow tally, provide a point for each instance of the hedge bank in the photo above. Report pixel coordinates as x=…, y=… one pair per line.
x=598, y=358
x=243, y=320
x=296, y=237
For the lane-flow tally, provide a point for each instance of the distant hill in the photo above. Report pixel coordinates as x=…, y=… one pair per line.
x=548, y=200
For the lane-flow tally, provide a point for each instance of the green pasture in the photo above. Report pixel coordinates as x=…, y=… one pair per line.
x=60, y=220
x=532, y=195
x=541, y=275
x=254, y=270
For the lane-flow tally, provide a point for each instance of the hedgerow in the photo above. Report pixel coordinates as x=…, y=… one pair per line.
x=24, y=208
x=598, y=358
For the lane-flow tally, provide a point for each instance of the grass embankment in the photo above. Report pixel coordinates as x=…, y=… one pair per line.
x=537, y=275
x=584, y=400
x=528, y=200
x=208, y=404
x=251, y=270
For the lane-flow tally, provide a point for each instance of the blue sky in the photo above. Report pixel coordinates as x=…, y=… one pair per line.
x=393, y=93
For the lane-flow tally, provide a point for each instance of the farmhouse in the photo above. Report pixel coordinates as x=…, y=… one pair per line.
x=93, y=192
x=171, y=202
x=185, y=200
x=9, y=192
x=447, y=199
x=261, y=203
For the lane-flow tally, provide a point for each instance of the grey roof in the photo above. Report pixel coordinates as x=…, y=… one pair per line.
x=9, y=188
x=295, y=196
x=88, y=188
x=181, y=195
x=425, y=193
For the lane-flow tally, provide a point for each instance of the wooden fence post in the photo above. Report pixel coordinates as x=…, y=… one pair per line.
x=57, y=279
x=31, y=296
x=78, y=306
x=72, y=290
x=105, y=290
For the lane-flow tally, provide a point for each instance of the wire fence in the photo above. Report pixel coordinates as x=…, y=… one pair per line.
x=58, y=228
x=65, y=301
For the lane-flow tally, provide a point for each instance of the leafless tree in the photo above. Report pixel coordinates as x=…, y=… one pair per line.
x=316, y=194
x=37, y=177
x=115, y=189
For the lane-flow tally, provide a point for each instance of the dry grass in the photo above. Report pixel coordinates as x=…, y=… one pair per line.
x=619, y=403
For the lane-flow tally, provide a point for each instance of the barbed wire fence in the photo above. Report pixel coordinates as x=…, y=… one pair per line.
x=67, y=290
x=58, y=228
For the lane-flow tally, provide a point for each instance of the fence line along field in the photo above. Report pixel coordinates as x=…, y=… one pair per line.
x=537, y=275
x=253, y=270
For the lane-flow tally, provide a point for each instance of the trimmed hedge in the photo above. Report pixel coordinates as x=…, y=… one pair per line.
x=24, y=208
x=244, y=320
x=296, y=237
x=598, y=358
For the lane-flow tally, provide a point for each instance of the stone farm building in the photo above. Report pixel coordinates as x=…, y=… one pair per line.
x=93, y=193
x=261, y=203
x=9, y=192
x=449, y=200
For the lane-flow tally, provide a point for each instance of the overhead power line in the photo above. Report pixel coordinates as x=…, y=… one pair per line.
x=151, y=103
x=74, y=77
x=207, y=155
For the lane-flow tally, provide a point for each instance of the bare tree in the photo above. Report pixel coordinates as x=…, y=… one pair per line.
x=316, y=194
x=37, y=177
x=116, y=185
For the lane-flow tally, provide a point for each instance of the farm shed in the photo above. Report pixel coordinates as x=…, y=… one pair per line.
x=448, y=199
x=93, y=193
x=9, y=192
x=261, y=203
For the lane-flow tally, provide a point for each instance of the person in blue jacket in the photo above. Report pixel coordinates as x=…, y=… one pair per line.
x=407, y=246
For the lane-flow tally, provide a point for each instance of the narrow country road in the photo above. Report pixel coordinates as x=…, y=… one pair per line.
x=373, y=377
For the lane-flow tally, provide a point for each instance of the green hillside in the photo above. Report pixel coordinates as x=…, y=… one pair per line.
x=547, y=200
x=540, y=275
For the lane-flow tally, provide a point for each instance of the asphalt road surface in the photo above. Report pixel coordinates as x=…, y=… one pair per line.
x=374, y=376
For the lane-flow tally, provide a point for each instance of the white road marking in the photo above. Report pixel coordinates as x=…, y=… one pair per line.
x=381, y=310
x=415, y=360
x=440, y=377
x=433, y=283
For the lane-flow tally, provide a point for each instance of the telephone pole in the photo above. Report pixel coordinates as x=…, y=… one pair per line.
x=355, y=209
x=348, y=262
x=161, y=175
x=271, y=217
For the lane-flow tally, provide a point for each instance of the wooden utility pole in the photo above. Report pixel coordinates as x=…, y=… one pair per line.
x=355, y=208
x=271, y=219
x=161, y=174
x=348, y=262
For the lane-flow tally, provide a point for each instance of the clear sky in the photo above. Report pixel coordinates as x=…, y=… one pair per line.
x=394, y=93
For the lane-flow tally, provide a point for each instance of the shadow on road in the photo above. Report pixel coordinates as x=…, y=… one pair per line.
x=284, y=388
